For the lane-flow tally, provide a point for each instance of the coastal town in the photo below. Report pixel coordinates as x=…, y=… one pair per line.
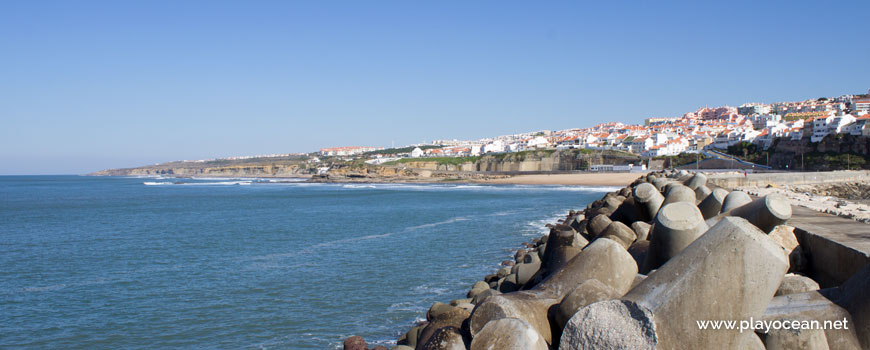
x=715, y=128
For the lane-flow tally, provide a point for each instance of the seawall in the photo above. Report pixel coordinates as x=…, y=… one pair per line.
x=659, y=249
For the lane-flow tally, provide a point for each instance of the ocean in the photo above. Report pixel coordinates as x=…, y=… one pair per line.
x=159, y=263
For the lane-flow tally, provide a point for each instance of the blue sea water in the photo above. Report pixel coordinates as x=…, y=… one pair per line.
x=133, y=263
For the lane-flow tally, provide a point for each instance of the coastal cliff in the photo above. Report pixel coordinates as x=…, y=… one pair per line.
x=256, y=167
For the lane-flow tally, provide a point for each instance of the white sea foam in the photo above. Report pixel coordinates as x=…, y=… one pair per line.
x=179, y=183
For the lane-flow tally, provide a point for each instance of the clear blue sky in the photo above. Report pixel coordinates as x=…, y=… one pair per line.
x=87, y=85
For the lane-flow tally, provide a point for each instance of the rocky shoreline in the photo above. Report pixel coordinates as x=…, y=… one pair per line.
x=641, y=267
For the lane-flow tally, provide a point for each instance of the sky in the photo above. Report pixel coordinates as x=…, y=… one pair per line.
x=90, y=85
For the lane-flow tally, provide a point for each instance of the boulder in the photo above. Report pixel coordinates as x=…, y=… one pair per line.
x=729, y=273
x=676, y=226
x=508, y=334
x=355, y=343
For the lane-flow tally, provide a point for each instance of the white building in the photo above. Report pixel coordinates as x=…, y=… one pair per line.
x=416, y=153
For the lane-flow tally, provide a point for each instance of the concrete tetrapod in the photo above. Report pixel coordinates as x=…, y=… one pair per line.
x=603, y=259
x=729, y=273
x=676, y=226
x=560, y=247
x=679, y=193
x=855, y=297
x=508, y=334
x=696, y=181
x=641, y=229
x=765, y=213
x=711, y=205
x=649, y=199
x=586, y=293
x=734, y=199
x=815, y=306
x=702, y=192
x=620, y=233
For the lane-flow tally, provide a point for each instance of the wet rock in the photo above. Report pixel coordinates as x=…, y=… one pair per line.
x=355, y=343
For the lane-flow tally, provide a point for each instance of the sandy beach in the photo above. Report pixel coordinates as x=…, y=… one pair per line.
x=591, y=179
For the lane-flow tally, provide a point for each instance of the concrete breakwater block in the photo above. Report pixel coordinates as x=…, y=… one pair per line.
x=508, y=334
x=855, y=297
x=729, y=273
x=560, y=247
x=450, y=318
x=765, y=213
x=597, y=225
x=446, y=338
x=813, y=306
x=603, y=259
x=620, y=233
x=586, y=293
x=679, y=193
x=641, y=229
x=676, y=226
x=702, y=192
x=696, y=181
x=712, y=204
x=794, y=284
x=735, y=199
x=649, y=199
